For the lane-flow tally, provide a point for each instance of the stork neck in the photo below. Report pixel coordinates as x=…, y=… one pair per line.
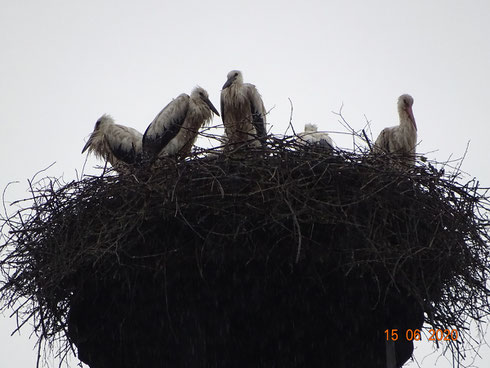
x=406, y=120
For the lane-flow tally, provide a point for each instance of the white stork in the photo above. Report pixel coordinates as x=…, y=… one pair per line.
x=242, y=110
x=311, y=136
x=117, y=144
x=400, y=139
x=174, y=130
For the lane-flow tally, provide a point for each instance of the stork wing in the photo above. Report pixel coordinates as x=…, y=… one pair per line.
x=315, y=138
x=125, y=143
x=323, y=139
x=222, y=110
x=383, y=140
x=166, y=125
x=257, y=109
x=326, y=142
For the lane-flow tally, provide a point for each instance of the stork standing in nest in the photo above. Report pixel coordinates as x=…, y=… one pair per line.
x=119, y=145
x=242, y=111
x=175, y=129
x=400, y=139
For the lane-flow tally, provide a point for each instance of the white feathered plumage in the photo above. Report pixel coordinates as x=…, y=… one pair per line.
x=174, y=130
x=117, y=144
x=400, y=139
x=312, y=136
x=242, y=111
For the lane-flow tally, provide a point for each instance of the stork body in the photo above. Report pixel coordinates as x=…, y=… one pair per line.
x=174, y=130
x=400, y=139
x=311, y=136
x=117, y=144
x=242, y=110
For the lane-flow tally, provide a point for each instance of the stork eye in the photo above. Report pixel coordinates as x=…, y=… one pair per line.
x=236, y=74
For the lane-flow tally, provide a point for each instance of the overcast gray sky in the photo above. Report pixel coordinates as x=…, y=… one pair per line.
x=64, y=63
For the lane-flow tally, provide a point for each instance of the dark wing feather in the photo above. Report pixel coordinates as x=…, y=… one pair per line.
x=222, y=110
x=124, y=143
x=122, y=153
x=324, y=143
x=165, y=126
x=257, y=109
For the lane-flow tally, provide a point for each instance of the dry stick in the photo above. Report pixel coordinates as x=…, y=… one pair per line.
x=297, y=228
x=458, y=168
x=346, y=125
x=368, y=126
x=290, y=124
x=367, y=140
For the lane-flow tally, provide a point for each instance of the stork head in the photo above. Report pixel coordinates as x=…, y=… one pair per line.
x=200, y=94
x=405, y=103
x=235, y=76
x=311, y=128
x=106, y=119
x=103, y=121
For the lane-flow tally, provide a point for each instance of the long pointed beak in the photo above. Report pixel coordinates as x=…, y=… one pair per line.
x=211, y=106
x=410, y=114
x=228, y=82
x=87, y=145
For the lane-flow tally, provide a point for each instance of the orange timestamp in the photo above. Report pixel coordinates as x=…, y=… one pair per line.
x=415, y=335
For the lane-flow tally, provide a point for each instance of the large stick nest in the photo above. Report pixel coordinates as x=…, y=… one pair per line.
x=267, y=213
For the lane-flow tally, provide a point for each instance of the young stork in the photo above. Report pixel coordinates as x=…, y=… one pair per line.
x=400, y=139
x=117, y=144
x=242, y=110
x=174, y=130
x=311, y=136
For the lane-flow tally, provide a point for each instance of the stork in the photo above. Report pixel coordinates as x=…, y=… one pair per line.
x=174, y=130
x=400, y=139
x=311, y=136
x=117, y=144
x=242, y=110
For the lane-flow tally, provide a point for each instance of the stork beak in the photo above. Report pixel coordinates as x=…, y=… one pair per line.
x=228, y=82
x=211, y=106
x=410, y=114
x=87, y=145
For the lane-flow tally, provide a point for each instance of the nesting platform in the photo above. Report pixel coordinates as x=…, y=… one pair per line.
x=275, y=257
